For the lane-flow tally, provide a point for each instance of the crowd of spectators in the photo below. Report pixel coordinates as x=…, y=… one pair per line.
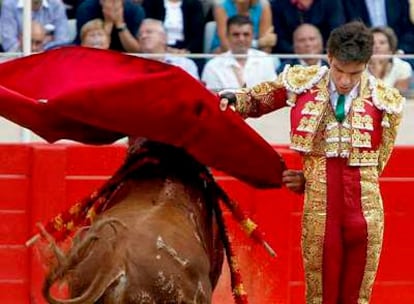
x=228, y=71
x=298, y=27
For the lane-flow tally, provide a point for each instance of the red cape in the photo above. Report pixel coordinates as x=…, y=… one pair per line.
x=96, y=97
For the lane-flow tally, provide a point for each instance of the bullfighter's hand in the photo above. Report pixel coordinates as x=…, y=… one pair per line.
x=227, y=99
x=294, y=180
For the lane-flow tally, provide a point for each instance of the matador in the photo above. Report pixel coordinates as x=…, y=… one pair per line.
x=344, y=124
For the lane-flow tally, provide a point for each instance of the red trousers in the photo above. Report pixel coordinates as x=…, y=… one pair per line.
x=342, y=231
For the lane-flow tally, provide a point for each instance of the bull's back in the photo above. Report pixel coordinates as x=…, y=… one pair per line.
x=160, y=235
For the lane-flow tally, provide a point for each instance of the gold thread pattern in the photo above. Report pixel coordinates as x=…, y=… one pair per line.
x=259, y=99
x=388, y=139
x=248, y=225
x=364, y=122
x=361, y=139
x=58, y=222
x=363, y=158
x=301, y=143
x=373, y=212
x=313, y=226
x=313, y=108
x=387, y=98
x=308, y=124
x=299, y=78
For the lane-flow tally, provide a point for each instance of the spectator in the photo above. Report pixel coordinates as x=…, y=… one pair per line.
x=258, y=11
x=121, y=20
x=38, y=37
x=393, y=71
x=307, y=40
x=229, y=72
x=289, y=14
x=93, y=35
x=152, y=38
x=50, y=13
x=392, y=13
x=183, y=21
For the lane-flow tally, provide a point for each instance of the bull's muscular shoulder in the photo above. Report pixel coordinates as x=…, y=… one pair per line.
x=387, y=98
x=298, y=79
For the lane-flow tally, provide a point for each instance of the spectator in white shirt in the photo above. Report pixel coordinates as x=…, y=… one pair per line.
x=152, y=39
x=247, y=68
x=392, y=70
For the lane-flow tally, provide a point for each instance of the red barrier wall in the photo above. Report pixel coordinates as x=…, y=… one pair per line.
x=39, y=180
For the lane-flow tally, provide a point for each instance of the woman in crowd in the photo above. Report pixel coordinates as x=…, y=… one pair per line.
x=259, y=12
x=392, y=70
x=93, y=34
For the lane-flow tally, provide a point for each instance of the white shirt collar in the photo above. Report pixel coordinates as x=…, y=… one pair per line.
x=169, y=4
x=231, y=60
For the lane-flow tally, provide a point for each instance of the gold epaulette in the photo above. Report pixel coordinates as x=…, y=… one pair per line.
x=386, y=98
x=298, y=78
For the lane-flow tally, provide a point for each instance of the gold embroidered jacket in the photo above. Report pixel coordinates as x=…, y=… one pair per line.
x=365, y=137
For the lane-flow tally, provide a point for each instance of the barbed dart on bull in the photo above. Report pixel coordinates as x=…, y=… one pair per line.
x=248, y=225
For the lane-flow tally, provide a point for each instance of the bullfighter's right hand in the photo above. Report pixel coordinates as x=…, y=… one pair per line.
x=294, y=180
x=227, y=99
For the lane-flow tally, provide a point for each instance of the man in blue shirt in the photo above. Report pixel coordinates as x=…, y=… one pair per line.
x=50, y=13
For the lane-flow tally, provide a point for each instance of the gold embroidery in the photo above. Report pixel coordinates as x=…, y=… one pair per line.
x=299, y=76
x=243, y=102
x=346, y=134
x=358, y=105
x=374, y=216
x=58, y=222
x=249, y=226
x=308, y=124
x=313, y=225
x=362, y=122
x=364, y=158
x=91, y=214
x=332, y=135
x=332, y=149
x=388, y=139
x=361, y=139
x=70, y=226
x=313, y=108
x=387, y=98
x=307, y=144
x=334, y=139
x=248, y=100
x=301, y=143
x=75, y=209
x=368, y=122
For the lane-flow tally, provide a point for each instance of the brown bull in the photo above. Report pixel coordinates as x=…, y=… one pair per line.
x=159, y=243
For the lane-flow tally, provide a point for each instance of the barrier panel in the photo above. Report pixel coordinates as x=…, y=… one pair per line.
x=39, y=180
